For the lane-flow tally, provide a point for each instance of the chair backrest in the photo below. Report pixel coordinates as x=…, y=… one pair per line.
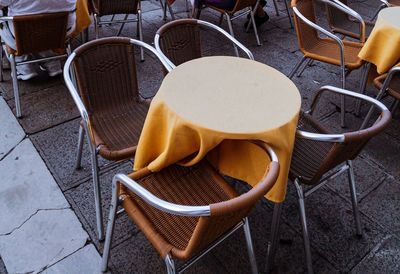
x=336, y=148
x=306, y=35
x=40, y=32
x=110, y=7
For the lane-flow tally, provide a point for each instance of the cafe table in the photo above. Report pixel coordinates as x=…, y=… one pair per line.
x=209, y=106
x=383, y=45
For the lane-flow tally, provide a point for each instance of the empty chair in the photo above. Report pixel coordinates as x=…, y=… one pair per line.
x=388, y=84
x=108, y=100
x=180, y=41
x=319, y=155
x=184, y=212
x=112, y=7
x=330, y=49
x=34, y=34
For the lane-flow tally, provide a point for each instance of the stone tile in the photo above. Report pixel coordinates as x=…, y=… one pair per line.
x=11, y=132
x=27, y=186
x=331, y=227
x=384, y=258
x=2, y=267
x=46, y=108
x=82, y=201
x=383, y=205
x=27, y=87
x=86, y=260
x=47, y=237
x=58, y=148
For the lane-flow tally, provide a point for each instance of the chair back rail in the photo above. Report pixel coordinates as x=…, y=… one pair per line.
x=110, y=7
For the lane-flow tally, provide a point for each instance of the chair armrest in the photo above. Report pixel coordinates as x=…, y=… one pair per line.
x=148, y=197
x=389, y=77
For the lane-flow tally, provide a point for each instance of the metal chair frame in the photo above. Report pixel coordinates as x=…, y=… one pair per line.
x=70, y=83
x=14, y=65
x=382, y=93
x=211, y=26
x=384, y=4
x=287, y=11
x=350, y=12
x=347, y=166
x=138, y=20
x=177, y=209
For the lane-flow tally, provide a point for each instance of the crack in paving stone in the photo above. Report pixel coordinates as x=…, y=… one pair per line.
x=30, y=217
x=3, y=156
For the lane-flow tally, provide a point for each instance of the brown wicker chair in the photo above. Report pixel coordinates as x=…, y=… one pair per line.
x=388, y=84
x=332, y=49
x=319, y=155
x=342, y=23
x=179, y=41
x=185, y=211
x=109, y=102
x=113, y=7
x=34, y=34
x=247, y=5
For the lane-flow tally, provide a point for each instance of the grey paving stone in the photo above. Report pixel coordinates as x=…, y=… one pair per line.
x=2, y=267
x=332, y=229
x=11, y=132
x=47, y=237
x=383, y=204
x=46, y=108
x=384, y=258
x=60, y=142
x=86, y=260
x=27, y=186
x=82, y=201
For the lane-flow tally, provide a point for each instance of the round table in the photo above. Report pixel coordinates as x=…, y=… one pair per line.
x=382, y=47
x=208, y=106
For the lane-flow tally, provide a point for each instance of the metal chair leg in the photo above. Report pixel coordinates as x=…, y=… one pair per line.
x=303, y=220
x=288, y=14
x=309, y=63
x=139, y=23
x=274, y=237
x=15, y=85
x=354, y=202
x=343, y=99
x=363, y=85
x=171, y=12
x=228, y=19
x=291, y=74
x=170, y=265
x=1, y=61
x=250, y=248
x=110, y=226
x=276, y=7
x=96, y=26
x=122, y=25
x=81, y=135
x=253, y=22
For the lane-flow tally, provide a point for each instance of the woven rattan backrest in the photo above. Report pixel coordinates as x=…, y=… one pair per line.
x=341, y=22
x=106, y=74
x=306, y=35
x=40, y=32
x=180, y=41
x=109, y=7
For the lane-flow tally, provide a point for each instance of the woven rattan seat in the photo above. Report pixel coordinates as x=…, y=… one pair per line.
x=394, y=85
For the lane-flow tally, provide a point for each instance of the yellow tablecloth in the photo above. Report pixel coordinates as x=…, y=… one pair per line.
x=212, y=104
x=383, y=45
x=83, y=19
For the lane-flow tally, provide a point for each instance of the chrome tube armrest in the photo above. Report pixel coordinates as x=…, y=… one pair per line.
x=154, y=201
x=386, y=3
x=158, y=49
x=389, y=77
x=346, y=9
x=336, y=138
x=324, y=31
x=6, y=18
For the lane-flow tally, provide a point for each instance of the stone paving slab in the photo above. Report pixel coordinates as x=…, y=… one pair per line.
x=85, y=260
x=11, y=132
x=26, y=187
x=47, y=237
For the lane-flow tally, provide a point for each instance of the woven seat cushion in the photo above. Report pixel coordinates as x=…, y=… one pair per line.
x=308, y=155
x=198, y=185
x=394, y=86
x=117, y=131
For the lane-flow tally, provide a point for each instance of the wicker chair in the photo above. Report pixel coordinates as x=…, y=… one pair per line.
x=180, y=41
x=341, y=23
x=319, y=155
x=388, y=84
x=113, y=7
x=186, y=211
x=34, y=34
x=109, y=102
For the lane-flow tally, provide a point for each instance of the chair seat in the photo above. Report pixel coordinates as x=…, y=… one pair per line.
x=327, y=50
x=307, y=154
x=117, y=132
x=197, y=185
x=352, y=30
x=394, y=86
